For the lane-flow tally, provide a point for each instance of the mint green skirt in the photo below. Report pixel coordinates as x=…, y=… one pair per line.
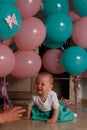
x=65, y=114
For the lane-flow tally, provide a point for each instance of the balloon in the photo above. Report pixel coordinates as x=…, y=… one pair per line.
x=71, y=5
x=31, y=34
x=52, y=44
x=79, y=34
x=7, y=42
x=7, y=60
x=83, y=75
x=28, y=8
x=14, y=47
x=58, y=27
x=51, y=61
x=81, y=7
x=28, y=63
x=7, y=1
x=10, y=21
x=74, y=16
x=55, y=7
x=74, y=60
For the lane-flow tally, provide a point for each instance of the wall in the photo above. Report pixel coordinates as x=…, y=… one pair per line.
x=82, y=93
x=19, y=90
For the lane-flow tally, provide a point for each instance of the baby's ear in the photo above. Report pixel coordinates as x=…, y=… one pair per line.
x=51, y=86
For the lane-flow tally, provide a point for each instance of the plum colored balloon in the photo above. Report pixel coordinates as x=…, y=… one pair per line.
x=7, y=42
x=28, y=8
x=83, y=75
x=51, y=61
x=28, y=63
x=55, y=7
x=80, y=7
x=7, y=1
x=71, y=6
x=7, y=60
x=74, y=16
x=31, y=34
x=58, y=27
x=10, y=21
x=74, y=60
x=79, y=34
x=48, y=42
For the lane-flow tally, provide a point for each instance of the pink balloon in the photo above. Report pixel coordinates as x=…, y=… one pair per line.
x=31, y=34
x=79, y=34
x=28, y=8
x=74, y=16
x=7, y=42
x=72, y=13
x=7, y=60
x=28, y=63
x=52, y=61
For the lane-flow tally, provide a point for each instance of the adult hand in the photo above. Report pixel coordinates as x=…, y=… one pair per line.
x=12, y=114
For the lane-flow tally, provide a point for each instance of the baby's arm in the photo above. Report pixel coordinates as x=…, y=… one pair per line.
x=30, y=106
x=29, y=109
x=54, y=117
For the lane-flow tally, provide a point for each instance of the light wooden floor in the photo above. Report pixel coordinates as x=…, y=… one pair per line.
x=80, y=123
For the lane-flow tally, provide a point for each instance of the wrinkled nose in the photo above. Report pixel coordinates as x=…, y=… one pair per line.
x=39, y=86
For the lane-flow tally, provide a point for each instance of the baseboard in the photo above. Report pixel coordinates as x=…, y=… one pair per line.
x=83, y=102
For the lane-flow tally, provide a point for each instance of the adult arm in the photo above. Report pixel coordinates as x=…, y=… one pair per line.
x=12, y=114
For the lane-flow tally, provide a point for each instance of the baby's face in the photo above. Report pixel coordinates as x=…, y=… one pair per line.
x=43, y=85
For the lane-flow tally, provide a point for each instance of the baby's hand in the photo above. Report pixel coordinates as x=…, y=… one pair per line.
x=51, y=121
x=28, y=118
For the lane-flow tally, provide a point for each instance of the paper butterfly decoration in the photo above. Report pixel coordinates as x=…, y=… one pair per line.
x=11, y=20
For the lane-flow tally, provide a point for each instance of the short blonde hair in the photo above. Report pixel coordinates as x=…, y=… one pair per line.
x=46, y=74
